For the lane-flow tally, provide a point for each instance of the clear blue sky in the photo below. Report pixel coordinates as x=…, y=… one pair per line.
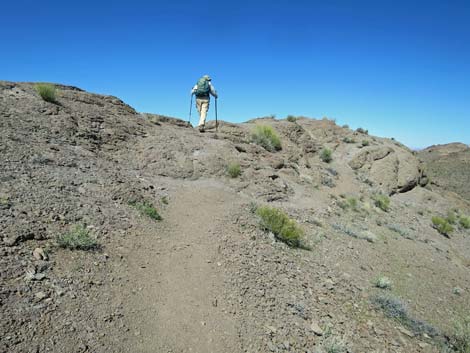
x=397, y=68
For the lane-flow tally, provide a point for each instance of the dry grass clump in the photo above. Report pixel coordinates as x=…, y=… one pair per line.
x=47, y=92
x=382, y=202
x=464, y=222
x=442, y=225
x=284, y=228
x=266, y=137
x=147, y=209
x=234, y=169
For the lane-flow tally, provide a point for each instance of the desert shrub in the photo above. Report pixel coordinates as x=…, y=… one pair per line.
x=400, y=230
x=78, y=238
x=366, y=235
x=451, y=217
x=394, y=308
x=234, y=170
x=348, y=139
x=382, y=202
x=46, y=91
x=326, y=155
x=442, y=225
x=383, y=282
x=365, y=143
x=349, y=203
x=147, y=209
x=464, y=222
x=164, y=200
x=283, y=228
x=460, y=340
x=362, y=131
x=266, y=137
x=291, y=118
x=345, y=126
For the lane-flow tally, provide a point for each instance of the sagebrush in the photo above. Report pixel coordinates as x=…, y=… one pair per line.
x=460, y=340
x=395, y=308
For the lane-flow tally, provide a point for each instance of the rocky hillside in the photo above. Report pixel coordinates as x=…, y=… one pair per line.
x=379, y=277
x=448, y=167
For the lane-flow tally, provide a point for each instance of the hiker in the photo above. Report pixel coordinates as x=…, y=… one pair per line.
x=203, y=90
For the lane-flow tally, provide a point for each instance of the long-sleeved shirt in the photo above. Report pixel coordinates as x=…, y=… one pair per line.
x=212, y=91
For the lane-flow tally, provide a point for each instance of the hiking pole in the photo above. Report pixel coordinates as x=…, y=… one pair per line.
x=216, y=123
x=190, y=108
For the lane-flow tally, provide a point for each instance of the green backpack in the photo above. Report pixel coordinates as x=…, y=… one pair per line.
x=203, y=88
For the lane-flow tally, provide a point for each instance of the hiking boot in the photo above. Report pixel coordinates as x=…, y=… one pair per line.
x=201, y=128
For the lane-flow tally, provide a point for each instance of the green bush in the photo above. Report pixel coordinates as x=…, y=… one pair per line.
x=348, y=139
x=460, y=340
x=266, y=137
x=46, y=91
x=77, y=238
x=362, y=131
x=234, y=170
x=365, y=143
x=382, y=202
x=442, y=225
x=147, y=209
x=283, y=228
x=464, y=222
x=291, y=118
x=326, y=155
x=349, y=203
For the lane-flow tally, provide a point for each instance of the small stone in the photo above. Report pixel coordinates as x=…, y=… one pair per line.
x=39, y=254
x=40, y=295
x=316, y=329
x=12, y=241
x=271, y=328
x=406, y=332
x=271, y=346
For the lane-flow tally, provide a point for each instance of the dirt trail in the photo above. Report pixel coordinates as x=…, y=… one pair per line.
x=178, y=282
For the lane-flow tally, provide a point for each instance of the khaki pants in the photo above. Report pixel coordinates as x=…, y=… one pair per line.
x=202, y=105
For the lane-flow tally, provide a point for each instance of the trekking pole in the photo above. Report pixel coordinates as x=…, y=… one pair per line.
x=216, y=123
x=190, y=108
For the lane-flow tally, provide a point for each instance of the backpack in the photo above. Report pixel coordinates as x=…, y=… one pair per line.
x=203, y=88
